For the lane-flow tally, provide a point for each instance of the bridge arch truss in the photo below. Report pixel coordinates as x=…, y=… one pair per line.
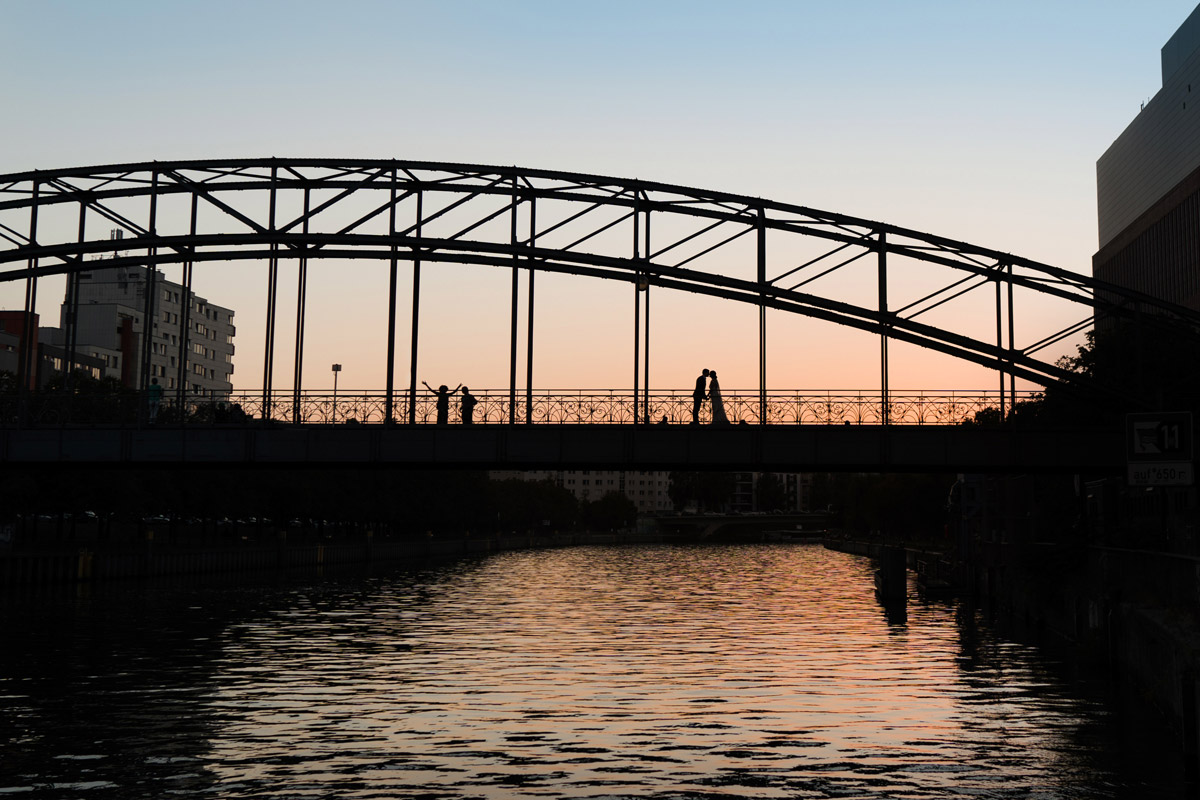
x=651, y=236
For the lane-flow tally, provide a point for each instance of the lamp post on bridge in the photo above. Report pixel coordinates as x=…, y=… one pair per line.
x=336, y=369
x=643, y=289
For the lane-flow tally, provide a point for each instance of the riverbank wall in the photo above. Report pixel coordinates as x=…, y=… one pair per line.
x=1131, y=615
x=31, y=568
x=932, y=567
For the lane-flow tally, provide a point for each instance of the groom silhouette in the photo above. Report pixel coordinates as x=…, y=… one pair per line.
x=698, y=397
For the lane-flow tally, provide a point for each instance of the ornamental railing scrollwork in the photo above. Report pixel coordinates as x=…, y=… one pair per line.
x=546, y=407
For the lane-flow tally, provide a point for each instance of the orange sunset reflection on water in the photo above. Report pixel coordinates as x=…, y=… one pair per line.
x=729, y=671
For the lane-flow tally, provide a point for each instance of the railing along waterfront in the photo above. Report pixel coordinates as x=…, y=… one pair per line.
x=552, y=406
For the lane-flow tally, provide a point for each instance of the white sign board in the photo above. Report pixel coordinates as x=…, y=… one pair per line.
x=1159, y=436
x=1164, y=473
x=1158, y=448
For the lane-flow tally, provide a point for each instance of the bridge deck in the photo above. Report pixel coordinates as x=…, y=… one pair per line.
x=791, y=448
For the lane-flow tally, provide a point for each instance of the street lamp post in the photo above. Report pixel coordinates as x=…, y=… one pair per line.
x=336, y=369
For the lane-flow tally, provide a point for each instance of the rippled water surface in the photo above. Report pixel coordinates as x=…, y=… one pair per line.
x=652, y=671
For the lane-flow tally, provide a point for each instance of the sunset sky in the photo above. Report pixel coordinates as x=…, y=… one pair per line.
x=980, y=122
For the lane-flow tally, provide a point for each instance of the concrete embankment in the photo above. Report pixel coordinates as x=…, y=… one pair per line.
x=25, y=568
x=1133, y=615
x=932, y=566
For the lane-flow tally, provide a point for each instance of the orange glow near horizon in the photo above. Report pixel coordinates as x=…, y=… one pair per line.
x=971, y=125
x=583, y=333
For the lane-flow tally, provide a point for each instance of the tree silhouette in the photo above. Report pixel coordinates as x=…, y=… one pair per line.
x=707, y=491
x=613, y=510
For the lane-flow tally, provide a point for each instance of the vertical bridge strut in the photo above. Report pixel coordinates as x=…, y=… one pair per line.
x=347, y=209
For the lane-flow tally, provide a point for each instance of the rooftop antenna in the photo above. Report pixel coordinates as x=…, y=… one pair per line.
x=116, y=234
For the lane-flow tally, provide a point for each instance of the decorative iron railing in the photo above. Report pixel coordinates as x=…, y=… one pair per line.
x=498, y=407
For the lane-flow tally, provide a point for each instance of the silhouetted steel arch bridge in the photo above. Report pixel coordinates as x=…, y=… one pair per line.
x=652, y=236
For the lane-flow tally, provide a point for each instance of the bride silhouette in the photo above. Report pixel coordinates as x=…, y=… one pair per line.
x=718, y=405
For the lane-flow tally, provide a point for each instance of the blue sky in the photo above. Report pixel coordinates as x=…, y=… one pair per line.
x=976, y=121
x=857, y=107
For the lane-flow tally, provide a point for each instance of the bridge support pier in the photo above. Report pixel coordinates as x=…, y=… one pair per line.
x=891, y=577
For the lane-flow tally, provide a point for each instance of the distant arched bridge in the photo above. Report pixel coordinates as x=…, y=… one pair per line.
x=775, y=256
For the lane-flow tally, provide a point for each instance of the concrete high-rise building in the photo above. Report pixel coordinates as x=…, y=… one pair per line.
x=189, y=341
x=1148, y=185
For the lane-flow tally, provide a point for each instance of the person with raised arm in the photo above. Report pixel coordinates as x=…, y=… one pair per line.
x=442, y=393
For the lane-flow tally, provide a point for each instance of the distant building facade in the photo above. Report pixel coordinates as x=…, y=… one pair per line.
x=53, y=360
x=647, y=490
x=47, y=359
x=1148, y=185
x=650, y=491
x=190, y=342
x=9, y=353
x=797, y=491
x=15, y=326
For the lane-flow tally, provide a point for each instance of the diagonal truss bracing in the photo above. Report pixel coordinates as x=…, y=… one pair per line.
x=772, y=255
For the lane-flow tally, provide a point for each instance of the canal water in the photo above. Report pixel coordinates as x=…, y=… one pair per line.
x=750, y=671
